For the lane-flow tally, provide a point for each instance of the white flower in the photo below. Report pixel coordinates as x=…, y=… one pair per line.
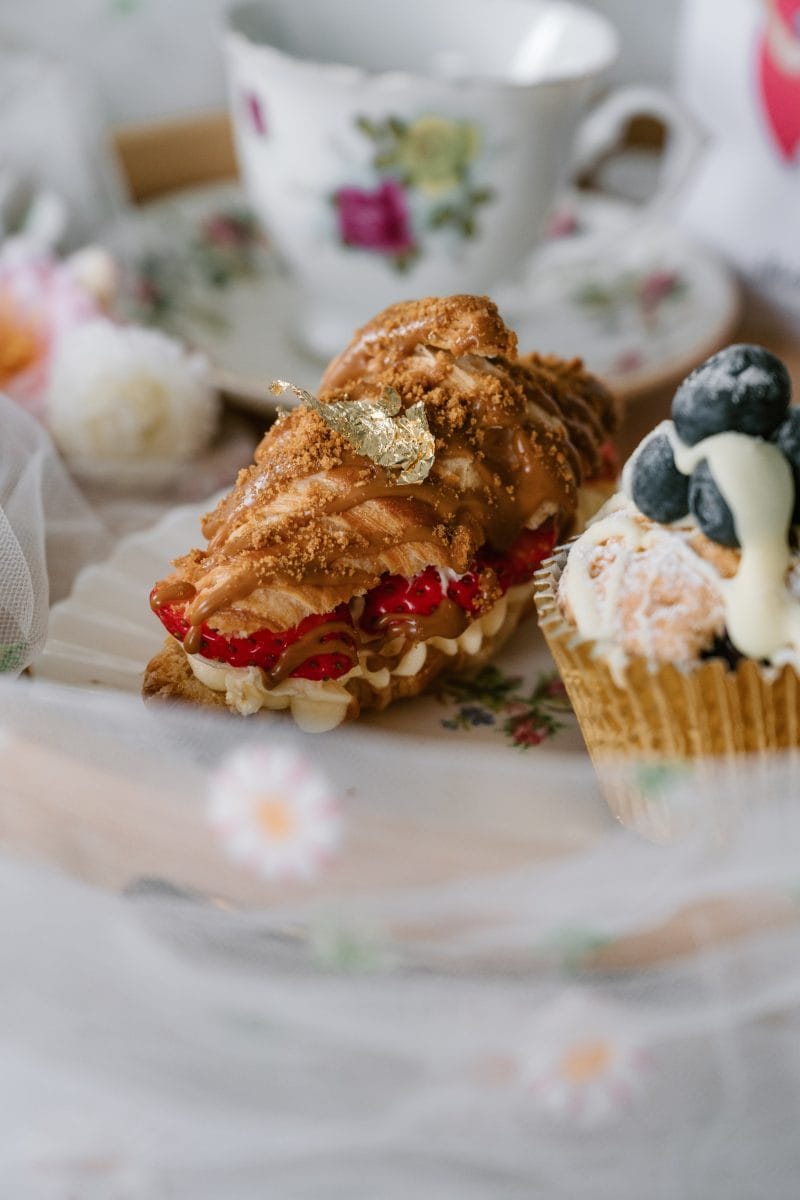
x=275, y=813
x=96, y=272
x=122, y=393
x=585, y=1062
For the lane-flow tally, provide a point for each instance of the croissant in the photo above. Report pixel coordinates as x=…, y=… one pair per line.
x=331, y=584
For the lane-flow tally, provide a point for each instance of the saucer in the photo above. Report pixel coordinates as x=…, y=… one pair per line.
x=637, y=299
x=629, y=293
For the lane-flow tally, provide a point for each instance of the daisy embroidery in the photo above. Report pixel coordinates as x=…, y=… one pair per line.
x=586, y=1062
x=274, y=813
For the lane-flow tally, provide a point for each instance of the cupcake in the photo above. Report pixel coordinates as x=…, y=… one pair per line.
x=674, y=619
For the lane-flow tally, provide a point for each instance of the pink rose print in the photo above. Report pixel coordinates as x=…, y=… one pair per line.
x=628, y=360
x=493, y=698
x=563, y=224
x=656, y=287
x=376, y=220
x=524, y=731
x=255, y=111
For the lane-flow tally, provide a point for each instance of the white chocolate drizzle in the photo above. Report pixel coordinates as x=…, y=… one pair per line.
x=762, y=616
x=756, y=483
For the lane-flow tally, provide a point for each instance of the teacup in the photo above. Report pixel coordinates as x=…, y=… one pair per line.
x=400, y=150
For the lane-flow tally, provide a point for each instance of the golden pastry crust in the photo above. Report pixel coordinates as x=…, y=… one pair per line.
x=311, y=523
x=168, y=676
x=589, y=410
x=458, y=324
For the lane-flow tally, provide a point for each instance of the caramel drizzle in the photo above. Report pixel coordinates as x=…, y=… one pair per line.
x=509, y=450
x=498, y=512
x=192, y=639
x=446, y=621
x=231, y=588
x=377, y=346
x=171, y=591
x=375, y=349
x=512, y=465
x=336, y=638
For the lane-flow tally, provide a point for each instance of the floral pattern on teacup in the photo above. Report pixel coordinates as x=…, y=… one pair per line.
x=429, y=160
x=254, y=108
x=376, y=220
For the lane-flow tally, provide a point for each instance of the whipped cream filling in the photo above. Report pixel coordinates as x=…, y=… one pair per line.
x=761, y=611
x=320, y=705
x=316, y=705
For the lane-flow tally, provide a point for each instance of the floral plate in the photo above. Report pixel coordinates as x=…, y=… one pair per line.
x=636, y=298
x=512, y=723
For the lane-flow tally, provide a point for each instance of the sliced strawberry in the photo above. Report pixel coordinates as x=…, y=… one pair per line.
x=609, y=464
x=395, y=595
x=323, y=666
x=263, y=648
x=519, y=563
x=465, y=590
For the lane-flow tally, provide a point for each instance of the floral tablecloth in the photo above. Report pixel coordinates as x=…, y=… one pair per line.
x=239, y=965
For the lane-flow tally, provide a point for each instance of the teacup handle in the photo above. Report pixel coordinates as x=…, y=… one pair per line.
x=603, y=127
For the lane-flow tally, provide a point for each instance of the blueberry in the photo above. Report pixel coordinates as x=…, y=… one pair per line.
x=722, y=647
x=787, y=439
x=709, y=507
x=742, y=388
x=658, y=489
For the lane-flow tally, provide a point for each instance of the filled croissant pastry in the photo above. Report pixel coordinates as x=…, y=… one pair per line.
x=389, y=529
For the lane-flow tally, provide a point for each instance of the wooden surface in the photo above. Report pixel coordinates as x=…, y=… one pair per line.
x=157, y=159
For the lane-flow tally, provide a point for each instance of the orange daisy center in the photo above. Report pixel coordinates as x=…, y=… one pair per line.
x=586, y=1061
x=275, y=818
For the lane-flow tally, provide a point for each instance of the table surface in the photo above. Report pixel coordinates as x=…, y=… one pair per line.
x=718, y=921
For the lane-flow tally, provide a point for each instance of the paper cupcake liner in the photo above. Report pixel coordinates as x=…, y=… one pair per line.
x=643, y=721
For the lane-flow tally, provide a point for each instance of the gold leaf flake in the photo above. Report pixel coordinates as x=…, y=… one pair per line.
x=378, y=429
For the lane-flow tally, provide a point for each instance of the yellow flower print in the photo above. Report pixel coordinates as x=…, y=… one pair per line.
x=435, y=152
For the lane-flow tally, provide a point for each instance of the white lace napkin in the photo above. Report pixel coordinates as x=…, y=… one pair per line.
x=47, y=532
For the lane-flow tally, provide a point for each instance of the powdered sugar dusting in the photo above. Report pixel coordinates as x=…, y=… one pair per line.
x=719, y=377
x=652, y=594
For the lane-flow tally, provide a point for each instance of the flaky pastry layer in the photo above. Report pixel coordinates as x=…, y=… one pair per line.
x=312, y=523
